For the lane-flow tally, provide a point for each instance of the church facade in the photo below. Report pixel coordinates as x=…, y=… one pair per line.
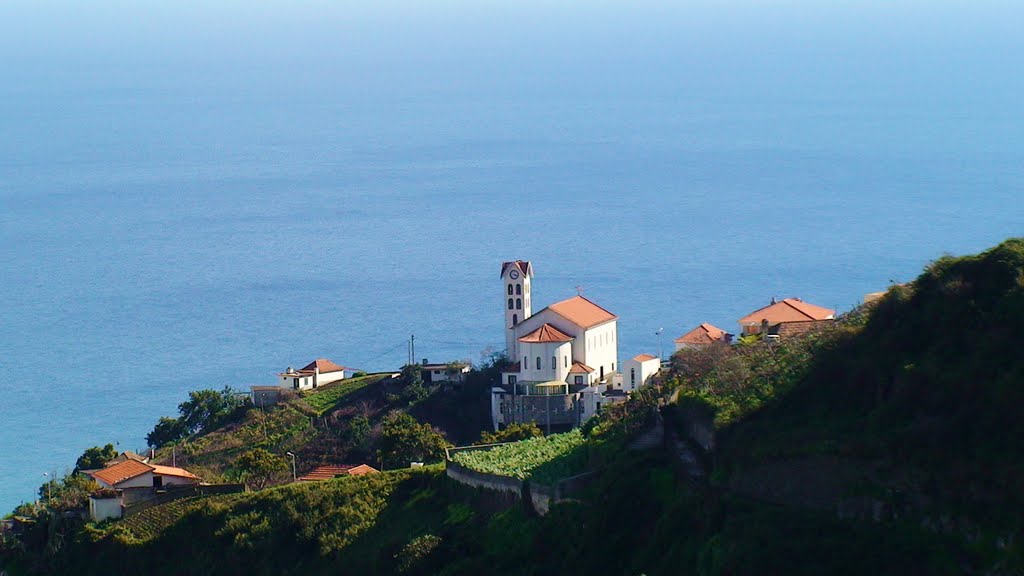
x=564, y=357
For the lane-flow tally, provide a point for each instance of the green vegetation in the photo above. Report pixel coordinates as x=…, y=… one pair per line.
x=257, y=467
x=205, y=410
x=95, y=457
x=328, y=397
x=404, y=440
x=545, y=459
x=514, y=432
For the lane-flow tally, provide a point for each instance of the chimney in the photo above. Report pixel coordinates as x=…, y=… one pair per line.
x=773, y=300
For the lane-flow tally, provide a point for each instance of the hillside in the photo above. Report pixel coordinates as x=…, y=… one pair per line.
x=887, y=443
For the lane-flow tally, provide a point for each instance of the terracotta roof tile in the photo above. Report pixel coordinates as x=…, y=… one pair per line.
x=324, y=365
x=114, y=475
x=582, y=312
x=703, y=334
x=172, y=471
x=328, y=472
x=580, y=368
x=546, y=333
x=788, y=310
x=644, y=358
x=524, y=266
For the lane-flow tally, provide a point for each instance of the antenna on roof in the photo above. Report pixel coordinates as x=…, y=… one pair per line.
x=773, y=299
x=579, y=290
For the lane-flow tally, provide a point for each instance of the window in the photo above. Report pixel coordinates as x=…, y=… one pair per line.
x=512, y=379
x=515, y=319
x=554, y=363
x=295, y=381
x=509, y=289
x=613, y=366
x=526, y=363
x=579, y=380
x=519, y=303
x=565, y=361
x=519, y=289
x=632, y=376
x=538, y=362
x=509, y=303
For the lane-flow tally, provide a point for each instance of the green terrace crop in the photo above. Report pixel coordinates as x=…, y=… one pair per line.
x=544, y=459
x=325, y=398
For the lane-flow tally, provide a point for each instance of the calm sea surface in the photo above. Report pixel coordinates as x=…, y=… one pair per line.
x=196, y=196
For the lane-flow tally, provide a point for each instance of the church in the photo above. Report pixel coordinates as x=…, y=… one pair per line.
x=563, y=357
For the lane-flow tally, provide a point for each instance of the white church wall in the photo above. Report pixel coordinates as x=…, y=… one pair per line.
x=600, y=346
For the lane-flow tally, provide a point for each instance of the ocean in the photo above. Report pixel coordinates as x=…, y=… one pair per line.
x=197, y=196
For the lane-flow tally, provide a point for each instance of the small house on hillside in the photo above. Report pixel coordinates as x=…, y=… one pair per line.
x=328, y=472
x=788, y=317
x=317, y=373
x=703, y=335
x=453, y=372
x=638, y=370
x=135, y=474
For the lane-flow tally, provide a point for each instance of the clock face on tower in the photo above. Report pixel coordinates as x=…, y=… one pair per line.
x=513, y=274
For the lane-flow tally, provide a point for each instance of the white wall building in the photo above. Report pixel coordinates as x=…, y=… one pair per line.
x=637, y=371
x=559, y=351
x=317, y=373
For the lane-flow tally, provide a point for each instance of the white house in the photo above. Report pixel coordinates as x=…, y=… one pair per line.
x=638, y=370
x=557, y=354
x=317, y=373
x=443, y=373
x=135, y=474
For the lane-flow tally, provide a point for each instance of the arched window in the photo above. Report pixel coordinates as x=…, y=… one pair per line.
x=509, y=303
x=538, y=362
x=515, y=319
x=519, y=289
x=519, y=303
x=554, y=362
x=509, y=289
x=526, y=363
x=565, y=361
x=632, y=375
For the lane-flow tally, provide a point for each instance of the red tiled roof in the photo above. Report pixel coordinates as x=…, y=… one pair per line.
x=644, y=358
x=114, y=475
x=328, y=472
x=546, y=333
x=580, y=368
x=582, y=312
x=703, y=334
x=524, y=267
x=324, y=365
x=172, y=471
x=788, y=310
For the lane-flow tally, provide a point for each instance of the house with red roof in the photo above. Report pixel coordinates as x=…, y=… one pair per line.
x=703, y=335
x=639, y=370
x=315, y=374
x=563, y=352
x=129, y=481
x=785, y=318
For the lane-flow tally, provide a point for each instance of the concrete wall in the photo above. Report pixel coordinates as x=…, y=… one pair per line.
x=328, y=377
x=102, y=508
x=469, y=477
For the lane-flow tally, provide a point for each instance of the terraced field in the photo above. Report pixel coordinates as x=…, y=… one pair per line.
x=149, y=523
x=544, y=459
x=325, y=398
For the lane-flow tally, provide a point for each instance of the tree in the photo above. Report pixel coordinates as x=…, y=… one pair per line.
x=204, y=410
x=514, y=432
x=257, y=467
x=95, y=457
x=357, y=432
x=167, y=430
x=404, y=440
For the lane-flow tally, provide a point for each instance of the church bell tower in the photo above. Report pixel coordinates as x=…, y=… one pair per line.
x=515, y=289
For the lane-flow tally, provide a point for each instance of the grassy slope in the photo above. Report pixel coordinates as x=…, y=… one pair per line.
x=328, y=397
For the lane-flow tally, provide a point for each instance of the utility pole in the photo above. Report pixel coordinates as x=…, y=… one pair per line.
x=412, y=348
x=660, y=350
